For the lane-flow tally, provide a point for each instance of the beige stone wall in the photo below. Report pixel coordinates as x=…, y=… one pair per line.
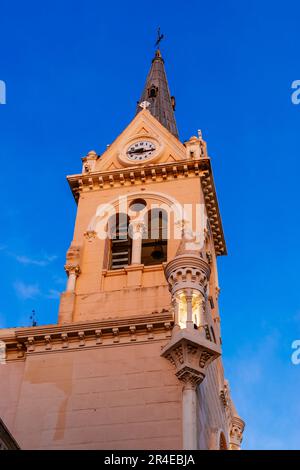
x=11, y=376
x=111, y=398
x=117, y=397
x=117, y=394
x=212, y=419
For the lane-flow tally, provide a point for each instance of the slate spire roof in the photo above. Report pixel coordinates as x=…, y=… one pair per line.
x=157, y=93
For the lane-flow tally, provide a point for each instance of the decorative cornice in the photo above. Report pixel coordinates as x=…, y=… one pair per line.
x=212, y=207
x=223, y=398
x=187, y=271
x=158, y=172
x=21, y=342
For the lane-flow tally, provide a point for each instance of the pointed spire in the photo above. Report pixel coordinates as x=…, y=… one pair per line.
x=157, y=93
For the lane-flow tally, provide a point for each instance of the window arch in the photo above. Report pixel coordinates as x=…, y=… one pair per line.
x=155, y=238
x=120, y=241
x=152, y=91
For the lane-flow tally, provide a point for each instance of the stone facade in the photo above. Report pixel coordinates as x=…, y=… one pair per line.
x=135, y=360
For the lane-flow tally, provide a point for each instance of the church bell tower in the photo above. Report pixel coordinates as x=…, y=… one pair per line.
x=135, y=360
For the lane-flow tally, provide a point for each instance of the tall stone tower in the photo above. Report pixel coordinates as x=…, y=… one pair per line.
x=134, y=361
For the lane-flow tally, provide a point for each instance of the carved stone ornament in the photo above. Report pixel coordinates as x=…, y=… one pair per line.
x=236, y=433
x=187, y=271
x=191, y=354
x=72, y=269
x=90, y=235
x=73, y=255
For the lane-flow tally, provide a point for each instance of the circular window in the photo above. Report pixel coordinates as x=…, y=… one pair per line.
x=138, y=205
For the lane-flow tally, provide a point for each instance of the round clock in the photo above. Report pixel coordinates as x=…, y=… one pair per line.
x=140, y=150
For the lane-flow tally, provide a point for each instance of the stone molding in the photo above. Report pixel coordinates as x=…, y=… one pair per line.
x=50, y=339
x=187, y=271
x=158, y=173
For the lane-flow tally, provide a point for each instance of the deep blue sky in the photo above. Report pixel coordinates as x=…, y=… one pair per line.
x=74, y=71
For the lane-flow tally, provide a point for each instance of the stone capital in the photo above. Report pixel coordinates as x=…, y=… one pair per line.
x=72, y=269
x=137, y=228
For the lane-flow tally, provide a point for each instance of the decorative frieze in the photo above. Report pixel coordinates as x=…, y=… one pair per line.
x=187, y=272
x=68, y=337
x=65, y=340
x=30, y=344
x=132, y=330
x=21, y=350
x=116, y=332
x=81, y=339
x=48, y=344
x=150, y=331
x=98, y=334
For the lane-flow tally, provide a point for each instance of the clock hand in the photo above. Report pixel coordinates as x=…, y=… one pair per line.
x=140, y=150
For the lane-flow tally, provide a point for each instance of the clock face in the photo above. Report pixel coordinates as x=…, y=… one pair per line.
x=141, y=150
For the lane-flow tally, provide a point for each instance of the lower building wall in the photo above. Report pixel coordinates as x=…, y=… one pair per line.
x=116, y=397
x=119, y=397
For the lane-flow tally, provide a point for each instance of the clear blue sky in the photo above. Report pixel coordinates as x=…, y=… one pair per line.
x=74, y=71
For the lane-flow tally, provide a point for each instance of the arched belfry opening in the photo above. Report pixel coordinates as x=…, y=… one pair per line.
x=152, y=91
x=120, y=241
x=155, y=239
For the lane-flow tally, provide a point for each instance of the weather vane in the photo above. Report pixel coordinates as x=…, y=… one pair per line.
x=159, y=38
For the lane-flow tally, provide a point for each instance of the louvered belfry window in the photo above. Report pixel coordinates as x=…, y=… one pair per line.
x=155, y=240
x=120, y=241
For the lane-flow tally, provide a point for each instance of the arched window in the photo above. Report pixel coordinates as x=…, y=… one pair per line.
x=155, y=239
x=120, y=252
x=152, y=91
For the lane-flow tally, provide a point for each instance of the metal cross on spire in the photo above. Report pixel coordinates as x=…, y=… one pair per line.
x=159, y=38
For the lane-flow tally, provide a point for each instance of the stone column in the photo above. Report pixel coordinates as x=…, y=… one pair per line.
x=189, y=308
x=188, y=350
x=189, y=416
x=201, y=307
x=137, y=228
x=73, y=272
x=175, y=306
